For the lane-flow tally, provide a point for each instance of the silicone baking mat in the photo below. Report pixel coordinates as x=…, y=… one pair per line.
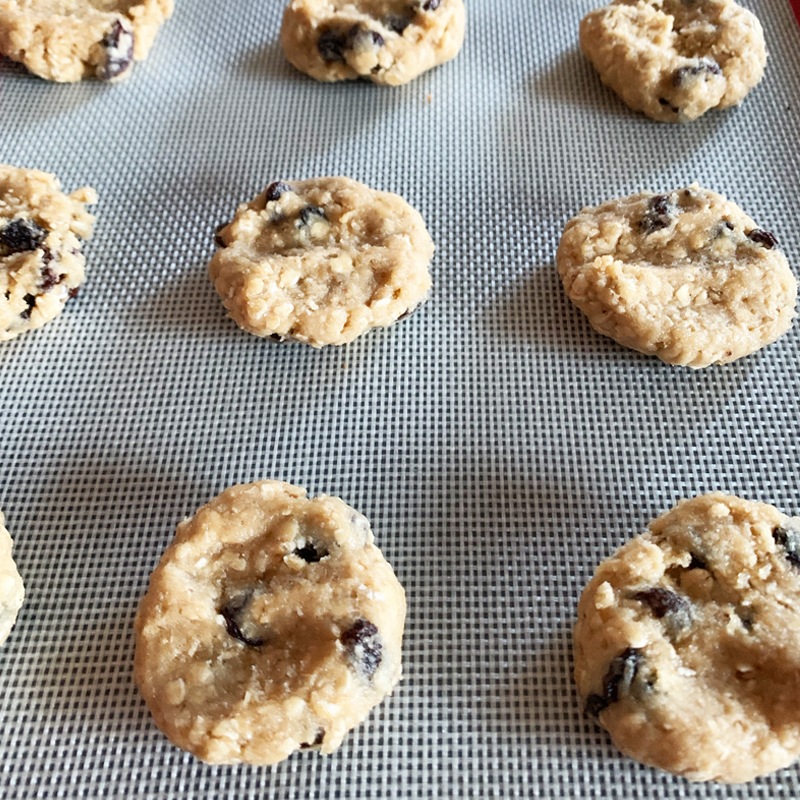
x=499, y=446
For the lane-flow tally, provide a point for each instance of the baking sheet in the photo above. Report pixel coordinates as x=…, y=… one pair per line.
x=499, y=446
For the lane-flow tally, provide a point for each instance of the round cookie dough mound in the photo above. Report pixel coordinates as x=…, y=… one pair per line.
x=687, y=645
x=685, y=276
x=272, y=623
x=12, y=592
x=675, y=59
x=41, y=264
x=386, y=41
x=322, y=261
x=67, y=40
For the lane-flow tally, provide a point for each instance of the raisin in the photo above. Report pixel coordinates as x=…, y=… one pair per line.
x=73, y=292
x=664, y=603
x=618, y=679
x=31, y=301
x=665, y=102
x=118, y=45
x=359, y=38
x=431, y=5
x=658, y=214
x=311, y=552
x=218, y=241
x=698, y=563
x=311, y=214
x=762, y=237
x=275, y=190
x=661, y=601
x=21, y=235
x=396, y=23
x=704, y=65
x=318, y=739
x=789, y=540
x=331, y=45
x=363, y=645
x=49, y=279
x=232, y=614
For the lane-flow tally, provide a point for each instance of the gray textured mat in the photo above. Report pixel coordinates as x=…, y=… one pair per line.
x=498, y=445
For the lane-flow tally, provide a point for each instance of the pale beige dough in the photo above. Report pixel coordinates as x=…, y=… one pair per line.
x=272, y=623
x=41, y=264
x=12, y=592
x=687, y=644
x=675, y=59
x=385, y=41
x=322, y=261
x=67, y=40
x=685, y=276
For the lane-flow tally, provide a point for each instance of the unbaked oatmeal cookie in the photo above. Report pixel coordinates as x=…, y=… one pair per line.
x=322, y=261
x=675, y=59
x=686, y=276
x=687, y=644
x=385, y=41
x=12, y=591
x=272, y=623
x=41, y=264
x=67, y=40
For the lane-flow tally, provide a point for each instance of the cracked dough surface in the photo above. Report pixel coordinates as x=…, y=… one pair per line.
x=385, y=41
x=41, y=264
x=687, y=644
x=12, y=592
x=322, y=261
x=68, y=40
x=272, y=623
x=675, y=59
x=686, y=276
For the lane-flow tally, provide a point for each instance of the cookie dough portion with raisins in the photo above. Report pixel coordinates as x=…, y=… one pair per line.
x=68, y=40
x=687, y=644
x=12, y=591
x=272, y=624
x=322, y=261
x=41, y=264
x=385, y=41
x=675, y=59
x=685, y=276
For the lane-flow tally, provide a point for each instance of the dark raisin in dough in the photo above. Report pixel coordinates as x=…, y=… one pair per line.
x=21, y=235
x=790, y=541
x=363, y=645
x=621, y=673
x=118, y=51
x=762, y=237
x=658, y=214
x=232, y=613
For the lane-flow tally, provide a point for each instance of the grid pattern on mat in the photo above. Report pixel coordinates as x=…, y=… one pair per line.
x=498, y=445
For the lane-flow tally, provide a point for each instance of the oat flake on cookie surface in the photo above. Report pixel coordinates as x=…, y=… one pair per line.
x=272, y=623
x=675, y=59
x=384, y=41
x=687, y=643
x=686, y=276
x=68, y=40
x=41, y=264
x=322, y=261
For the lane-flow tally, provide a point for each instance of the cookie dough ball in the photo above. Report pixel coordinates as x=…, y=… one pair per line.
x=41, y=264
x=687, y=645
x=385, y=41
x=685, y=276
x=272, y=624
x=675, y=59
x=322, y=261
x=12, y=592
x=67, y=40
